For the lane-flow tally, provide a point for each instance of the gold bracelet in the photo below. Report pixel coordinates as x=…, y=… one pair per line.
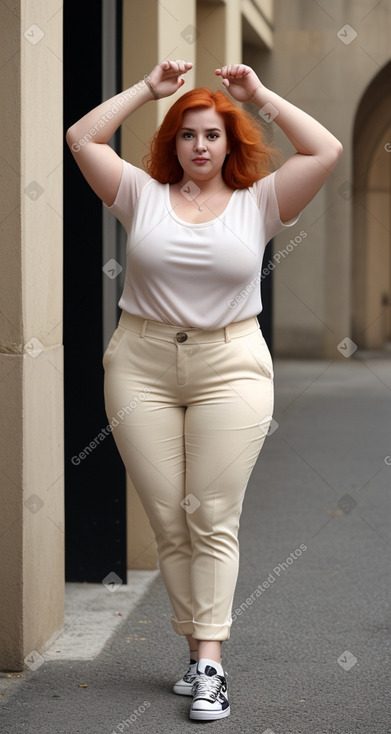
x=151, y=89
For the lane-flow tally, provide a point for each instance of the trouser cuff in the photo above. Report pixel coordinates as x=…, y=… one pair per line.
x=211, y=631
x=201, y=631
x=183, y=628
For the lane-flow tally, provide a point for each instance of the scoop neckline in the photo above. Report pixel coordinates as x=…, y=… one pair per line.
x=197, y=225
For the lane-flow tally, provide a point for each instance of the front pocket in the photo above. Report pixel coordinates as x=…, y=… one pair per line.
x=263, y=356
x=113, y=345
x=266, y=371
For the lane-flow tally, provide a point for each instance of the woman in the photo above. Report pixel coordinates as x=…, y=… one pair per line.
x=187, y=344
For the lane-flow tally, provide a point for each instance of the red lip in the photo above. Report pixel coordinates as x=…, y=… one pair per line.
x=200, y=159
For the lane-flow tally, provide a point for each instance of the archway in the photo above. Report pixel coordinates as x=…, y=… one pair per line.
x=371, y=250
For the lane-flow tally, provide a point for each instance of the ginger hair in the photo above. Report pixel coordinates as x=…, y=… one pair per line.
x=249, y=159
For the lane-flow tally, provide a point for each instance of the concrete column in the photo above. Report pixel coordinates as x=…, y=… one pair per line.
x=233, y=32
x=31, y=356
x=219, y=40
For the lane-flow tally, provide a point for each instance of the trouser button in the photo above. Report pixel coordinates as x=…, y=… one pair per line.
x=181, y=336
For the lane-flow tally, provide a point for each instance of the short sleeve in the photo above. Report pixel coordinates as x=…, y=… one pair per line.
x=265, y=195
x=132, y=182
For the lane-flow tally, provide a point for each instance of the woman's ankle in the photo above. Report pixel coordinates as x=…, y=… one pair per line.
x=210, y=650
x=193, y=647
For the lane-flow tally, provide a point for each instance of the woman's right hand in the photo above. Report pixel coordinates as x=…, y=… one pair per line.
x=166, y=77
x=89, y=137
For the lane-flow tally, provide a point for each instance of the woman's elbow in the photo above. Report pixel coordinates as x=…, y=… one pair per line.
x=332, y=154
x=72, y=136
x=337, y=150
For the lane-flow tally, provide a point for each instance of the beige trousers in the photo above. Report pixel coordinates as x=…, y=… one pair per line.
x=189, y=411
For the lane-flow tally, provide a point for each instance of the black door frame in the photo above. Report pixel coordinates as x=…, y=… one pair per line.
x=95, y=479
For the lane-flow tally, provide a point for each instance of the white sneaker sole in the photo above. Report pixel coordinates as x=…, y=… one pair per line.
x=183, y=690
x=204, y=715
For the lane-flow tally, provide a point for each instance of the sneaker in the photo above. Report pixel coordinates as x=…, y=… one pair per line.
x=185, y=685
x=210, y=692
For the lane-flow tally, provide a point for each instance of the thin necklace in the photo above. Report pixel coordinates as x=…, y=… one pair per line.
x=188, y=191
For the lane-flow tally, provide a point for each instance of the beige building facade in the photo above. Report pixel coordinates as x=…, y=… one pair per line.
x=332, y=59
x=331, y=273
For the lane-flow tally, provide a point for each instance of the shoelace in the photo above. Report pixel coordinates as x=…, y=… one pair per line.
x=209, y=686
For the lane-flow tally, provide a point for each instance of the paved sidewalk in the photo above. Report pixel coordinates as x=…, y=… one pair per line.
x=310, y=646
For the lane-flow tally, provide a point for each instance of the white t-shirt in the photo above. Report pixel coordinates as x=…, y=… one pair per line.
x=193, y=275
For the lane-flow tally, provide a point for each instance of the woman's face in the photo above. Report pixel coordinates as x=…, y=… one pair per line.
x=201, y=144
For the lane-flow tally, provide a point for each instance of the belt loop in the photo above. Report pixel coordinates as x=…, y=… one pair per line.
x=144, y=328
x=227, y=334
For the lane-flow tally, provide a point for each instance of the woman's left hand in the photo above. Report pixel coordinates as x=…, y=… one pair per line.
x=240, y=80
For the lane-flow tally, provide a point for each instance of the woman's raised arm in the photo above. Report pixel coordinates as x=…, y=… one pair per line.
x=304, y=173
x=88, y=138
